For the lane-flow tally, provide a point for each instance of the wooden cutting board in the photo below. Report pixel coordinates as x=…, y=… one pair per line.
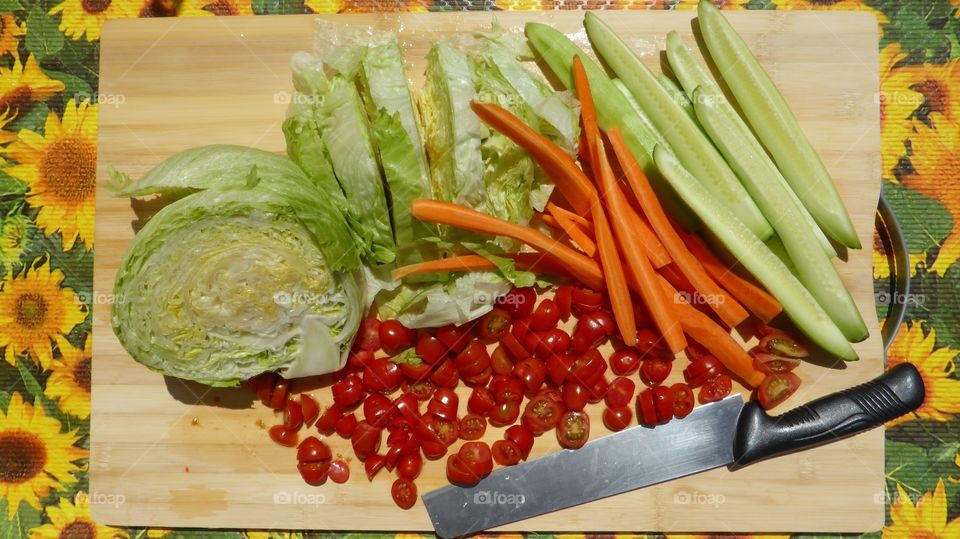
x=166, y=453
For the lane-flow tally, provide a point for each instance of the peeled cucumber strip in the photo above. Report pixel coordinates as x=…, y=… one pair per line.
x=753, y=255
x=748, y=159
x=775, y=125
x=685, y=138
x=613, y=110
x=625, y=92
x=775, y=244
x=677, y=94
x=784, y=212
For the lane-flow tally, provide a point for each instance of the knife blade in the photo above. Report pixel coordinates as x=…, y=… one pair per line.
x=725, y=433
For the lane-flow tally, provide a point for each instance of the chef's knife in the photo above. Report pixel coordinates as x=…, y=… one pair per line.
x=726, y=433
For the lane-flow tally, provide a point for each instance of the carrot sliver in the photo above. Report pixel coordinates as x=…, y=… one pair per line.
x=643, y=276
x=726, y=307
x=588, y=112
x=581, y=238
x=582, y=222
x=581, y=267
x=715, y=339
x=648, y=240
x=617, y=289
x=752, y=296
x=550, y=221
x=560, y=167
x=455, y=263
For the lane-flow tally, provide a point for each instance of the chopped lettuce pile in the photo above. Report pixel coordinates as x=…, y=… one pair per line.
x=267, y=263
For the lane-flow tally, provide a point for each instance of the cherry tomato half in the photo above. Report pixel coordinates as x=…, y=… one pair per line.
x=410, y=465
x=444, y=403
x=372, y=465
x=394, y=336
x=472, y=427
x=500, y=361
x=507, y=389
x=522, y=436
x=564, y=298
x=310, y=409
x=558, y=368
x=365, y=440
x=346, y=425
x=655, y=370
x=505, y=413
x=585, y=301
x=782, y=344
x=682, y=400
x=519, y=302
x=348, y=391
x=292, y=415
x=541, y=414
x=646, y=410
x=480, y=401
x=649, y=342
x=446, y=431
x=430, y=349
x=445, y=375
x=575, y=396
x=663, y=403
x=368, y=336
x=588, y=367
x=546, y=316
x=313, y=460
x=512, y=345
x=592, y=330
x=339, y=471
x=473, y=359
x=702, y=369
x=617, y=419
x=620, y=392
x=573, y=430
x=455, y=337
x=382, y=376
x=506, y=452
x=404, y=493
x=773, y=364
x=283, y=435
x=422, y=390
x=715, y=389
x=532, y=373
x=776, y=388
x=327, y=422
x=495, y=323
x=625, y=361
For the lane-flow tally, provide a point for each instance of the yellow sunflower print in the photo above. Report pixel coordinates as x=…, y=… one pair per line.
x=22, y=84
x=35, y=311
x=943, y=393
x=365, y=6
x=60, y=167
x=35, y=457
x=928, y=518
x=898, y=104
x=194, y=8
x=6, y=116
x=10, y=31
x=519, y=5
x=70, y=379
x=73, y=520
x=936, y=162
x=85, y=17
x=851, y=5
x=15, y=233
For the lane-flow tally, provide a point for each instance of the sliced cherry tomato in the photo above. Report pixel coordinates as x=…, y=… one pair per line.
x=368, y=336
x=365, y=440
x=505, y=413
x=480, y=379
x=445, y=375
x=480, y=401
x=346, y=425
x=495, y=323
x=310, y=409
x=522, y=436
x=663, y=403
x=430, y=349
x=359, y=359
x=506, y=389
x=407, y=407
x=283, y=435
x=327, y=422
x=532, y=373
x=551, y=343
x=473, y=359
x=339, y=471
x=392, y=457
x=620, y=393
x=472, y=427
x=521, y=329
x=382, y=376
x=551, y=393
x=564, y=298
x=262, y=385
x=458, y=472
x=373, y=464
x=376, y=408
x=433, y=449
x=777, y=388
x=477, y=457
x=455, y=337
x=784, y=345
x=278, y=398
x=410, y=465
x=617, y=419
x=447, y=431
x=292, y=415
x=573, y=430
x=506, y=452
x=646, y=410
x=625, y=361
x=519, y=302
x=422, y=390
x=512, y=345
x=715, y=389
x=696, y=351
x=655, y=370
x=650, y=343
x=598, y=390
x=702, y=369
x=641, y=315
x=313, y=460
x=772, y=364
x=586, y=301
x=546, y=316
x=415, y=369
x=588, y=367
x=348, y=391
x=541, y=414
x=558, y=367
x=682, y=400
x=404, y=493
x=575, y=396
x=395, y=337
x=444, y=404
x=500, y=361
x=397, y=438
x=592, y=330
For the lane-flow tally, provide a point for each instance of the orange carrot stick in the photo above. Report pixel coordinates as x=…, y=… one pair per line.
x=525, y=261
x=715, y=339
x=588, y=112
x=550, y=221
x=617, y=289
x=753, y=297
x=581, y=238
x=562, y=169
x=643, y=275
x=581, y=267
x=582, y=222
x=727, y=308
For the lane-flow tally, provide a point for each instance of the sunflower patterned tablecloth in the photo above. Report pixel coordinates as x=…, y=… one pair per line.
x=49, y=53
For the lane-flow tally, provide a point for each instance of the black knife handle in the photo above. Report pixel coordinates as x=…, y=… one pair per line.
x=844, y=413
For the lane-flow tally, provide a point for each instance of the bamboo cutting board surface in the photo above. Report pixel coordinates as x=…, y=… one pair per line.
x=173, y=454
